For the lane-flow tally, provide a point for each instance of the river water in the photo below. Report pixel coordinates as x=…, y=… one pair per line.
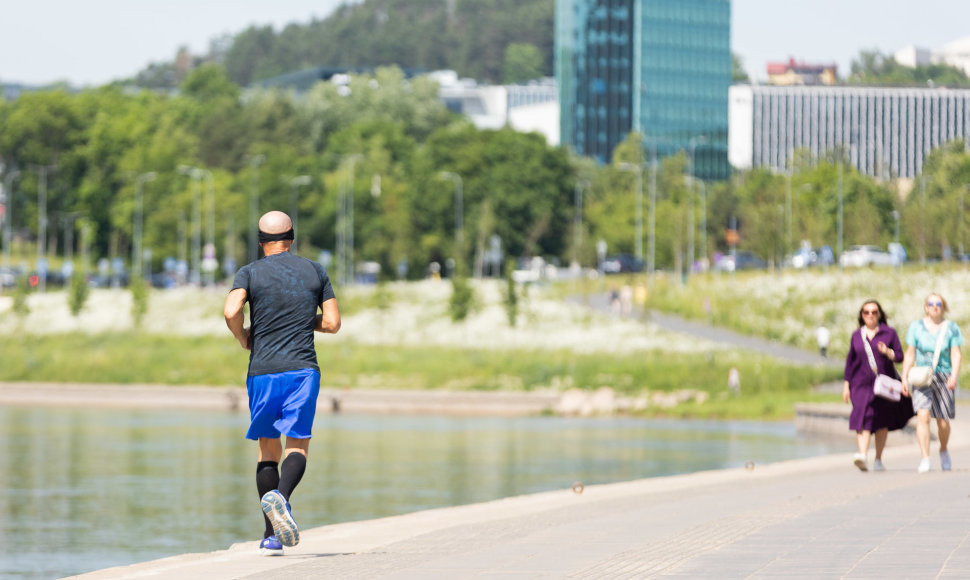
x=83, y=488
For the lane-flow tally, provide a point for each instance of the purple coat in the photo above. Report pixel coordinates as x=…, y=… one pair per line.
x=870, y=412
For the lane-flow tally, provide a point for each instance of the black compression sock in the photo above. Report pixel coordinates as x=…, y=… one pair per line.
x=291, y=472
x=267, y=479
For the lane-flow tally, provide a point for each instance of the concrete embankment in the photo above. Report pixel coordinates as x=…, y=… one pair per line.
x=810, y=518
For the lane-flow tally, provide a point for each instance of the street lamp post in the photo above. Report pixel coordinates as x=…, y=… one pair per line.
x=788, y=248
x=704, y=224
x=254, y=162
x=209, y=262
x=459, y=207
x=692, y=144
x=922, y=219
x=652, y=226
x=67, y=220
x=578, y=219
x=345, y=223
x=638, y=240
x=137, y=227
x=962, y=193
x=195, y=273
x=42, y=171
x=294, y=206
x=8, y=214
x=839, y=245
x=896, y=219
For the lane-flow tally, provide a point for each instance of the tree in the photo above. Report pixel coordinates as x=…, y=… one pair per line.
x=249, y=48
x=873, y=68
x=738, y=74
x=523, y=62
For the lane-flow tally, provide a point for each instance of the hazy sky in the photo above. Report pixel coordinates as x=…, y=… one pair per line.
x=92, y=42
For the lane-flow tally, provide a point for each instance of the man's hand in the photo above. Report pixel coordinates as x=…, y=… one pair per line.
x=245, y=340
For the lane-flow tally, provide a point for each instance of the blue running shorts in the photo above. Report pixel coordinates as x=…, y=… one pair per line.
x=282, y=403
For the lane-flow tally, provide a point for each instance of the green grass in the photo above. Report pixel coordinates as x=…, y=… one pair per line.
x=769, y=389
x=787, y=307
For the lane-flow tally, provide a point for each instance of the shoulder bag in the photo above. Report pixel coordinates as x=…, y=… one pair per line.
x=922, y=376
x=885, y=386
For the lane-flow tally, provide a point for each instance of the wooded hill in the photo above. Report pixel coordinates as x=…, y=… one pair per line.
x=489, y=40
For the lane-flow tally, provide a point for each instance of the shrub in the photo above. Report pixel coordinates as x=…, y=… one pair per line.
x=78, y=294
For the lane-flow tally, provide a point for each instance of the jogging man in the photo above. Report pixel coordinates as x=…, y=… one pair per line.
x=284, y=294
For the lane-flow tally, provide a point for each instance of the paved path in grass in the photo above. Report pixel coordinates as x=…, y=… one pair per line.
x=674, y=323
x=805, y=519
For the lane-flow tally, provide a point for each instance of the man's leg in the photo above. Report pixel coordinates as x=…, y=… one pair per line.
x=294, y=465
x=267, y=473
x=276, y=506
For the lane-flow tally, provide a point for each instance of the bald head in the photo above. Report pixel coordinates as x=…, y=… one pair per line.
x=275, y=222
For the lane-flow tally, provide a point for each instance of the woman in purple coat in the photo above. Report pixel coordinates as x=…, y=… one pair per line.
x=872, y=414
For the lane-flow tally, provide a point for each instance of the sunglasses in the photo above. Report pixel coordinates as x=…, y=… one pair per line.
x=868, y=312
x=934, y=303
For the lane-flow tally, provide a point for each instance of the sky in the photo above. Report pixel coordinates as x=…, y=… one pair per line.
x=93, y=42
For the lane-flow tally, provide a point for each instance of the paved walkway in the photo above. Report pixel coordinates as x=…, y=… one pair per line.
x=811, y=518
x=674, y=323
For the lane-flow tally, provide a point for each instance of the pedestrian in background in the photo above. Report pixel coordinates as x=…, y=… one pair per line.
x=822, y=336
x=935, y=400
x=872, y=414
x=284, y=294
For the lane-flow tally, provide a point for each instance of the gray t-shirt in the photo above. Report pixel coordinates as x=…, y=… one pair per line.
x=284, y=293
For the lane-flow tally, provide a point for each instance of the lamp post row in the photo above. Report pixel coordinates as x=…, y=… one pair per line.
x=345, y=211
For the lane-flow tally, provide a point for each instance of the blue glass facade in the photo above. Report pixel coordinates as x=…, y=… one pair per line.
x=658, y=67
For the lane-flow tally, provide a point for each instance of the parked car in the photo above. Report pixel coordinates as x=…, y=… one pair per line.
x=741, y=260
x=898, y=252
x=865, y=255
x=8, y=277
x=808, y=256
x=622, y=263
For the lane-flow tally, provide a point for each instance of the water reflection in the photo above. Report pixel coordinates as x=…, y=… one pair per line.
x=84, y=489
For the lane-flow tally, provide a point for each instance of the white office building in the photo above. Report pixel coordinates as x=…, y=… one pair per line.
x=885, y=131
x=532, y=107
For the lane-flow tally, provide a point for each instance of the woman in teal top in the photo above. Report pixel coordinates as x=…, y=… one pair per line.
x=936, y=399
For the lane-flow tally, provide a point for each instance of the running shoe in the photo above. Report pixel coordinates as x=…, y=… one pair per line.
x=945, y=464
x=277, y=510
x=924, y=465
x=271, y=547
x=860, y=462
x=878, y=466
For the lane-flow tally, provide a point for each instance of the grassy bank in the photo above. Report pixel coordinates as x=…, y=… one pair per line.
x=699, y=383
x=788, y=306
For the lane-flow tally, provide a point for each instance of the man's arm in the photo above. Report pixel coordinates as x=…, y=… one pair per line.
x=329, y=320
x=235, y=318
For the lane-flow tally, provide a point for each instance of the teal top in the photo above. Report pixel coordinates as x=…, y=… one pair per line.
x=925, y=343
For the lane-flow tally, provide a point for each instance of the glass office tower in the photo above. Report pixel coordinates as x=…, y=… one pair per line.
x=658, y=67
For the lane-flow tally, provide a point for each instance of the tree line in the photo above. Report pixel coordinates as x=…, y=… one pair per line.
x=197, y=160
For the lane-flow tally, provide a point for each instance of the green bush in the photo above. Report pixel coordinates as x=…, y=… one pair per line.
x=78, y=294
x=462, y=298
x=20, y=306
x=139, y=300
x=511, y=300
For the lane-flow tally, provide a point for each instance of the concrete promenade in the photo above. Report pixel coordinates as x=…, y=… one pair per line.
x=811, y=518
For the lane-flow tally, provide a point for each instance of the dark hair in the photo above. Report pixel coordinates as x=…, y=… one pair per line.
x=882, y=313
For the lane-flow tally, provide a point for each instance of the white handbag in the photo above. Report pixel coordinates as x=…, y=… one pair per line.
x=922, y=376
x=888, y=388
x=885, y=386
